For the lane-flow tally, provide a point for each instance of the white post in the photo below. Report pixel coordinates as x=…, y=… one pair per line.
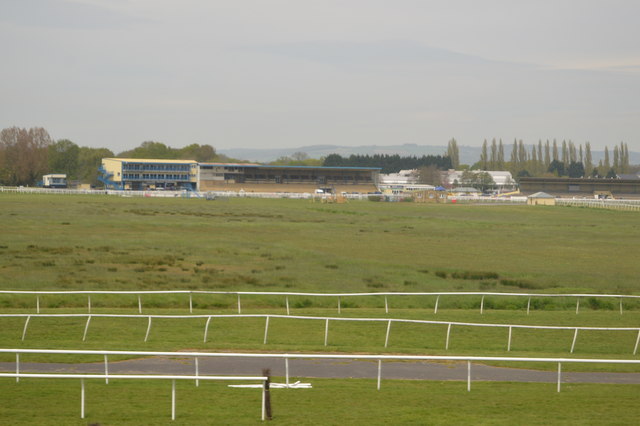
x=379, y=372
x=326, y=331
x=575, y=336
x=620, y=306
x=206, y=329
x=37, y=304
x=139, y=305
x=86, y=328
x=468, y=376
x=339, y=308
x=82, y=398
x=190, y=303
x=635, y=348
x=578, y=306
x=89, y=303
x=528, y=305
x=448, y=333
x=266, y=330
x=106, y=369
x=17, y=367
x=264, y=399
x=197, y=372
x=239, y=306
x=173, y=399
x=148, y=330
x=435, y=311
x=386, y=339
x=559, y=372
x=287, y=303
x=286, y=371
x=482, y=305
x=509, y=344
x=26, y=324
x=386, y=305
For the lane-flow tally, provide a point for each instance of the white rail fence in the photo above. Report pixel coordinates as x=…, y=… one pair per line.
x=286, y=357
x=632, y=205
x=388, y=321
x=18, y=375
x=338, y=296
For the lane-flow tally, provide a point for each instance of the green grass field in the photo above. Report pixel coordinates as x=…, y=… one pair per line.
x=109, y=243
x=330, y=402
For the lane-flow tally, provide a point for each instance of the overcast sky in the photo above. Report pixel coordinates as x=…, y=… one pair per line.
x=289, y=73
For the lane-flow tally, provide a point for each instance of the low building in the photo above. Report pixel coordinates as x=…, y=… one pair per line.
x=56, y=180
x=403, y=182
x=541, y=199
x=503, y=180
x=293, y=179
x=581, y=187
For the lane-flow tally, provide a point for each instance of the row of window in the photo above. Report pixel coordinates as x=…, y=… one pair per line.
x=171, y=167
x=156, y=176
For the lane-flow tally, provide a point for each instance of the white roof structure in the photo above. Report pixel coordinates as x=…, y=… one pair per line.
x=500, y=178
x=403, y=177
x=541, y=195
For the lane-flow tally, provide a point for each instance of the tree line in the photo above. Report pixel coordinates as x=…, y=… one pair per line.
x=553, y=159
x=388, y=163
x=28, y=154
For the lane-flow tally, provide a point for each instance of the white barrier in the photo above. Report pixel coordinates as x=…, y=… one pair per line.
x=267, y=317
x=631, y=205
x=106, y=376
x=386, y=295
x=287, y=356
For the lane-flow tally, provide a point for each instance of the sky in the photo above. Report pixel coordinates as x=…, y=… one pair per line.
x=291, y=73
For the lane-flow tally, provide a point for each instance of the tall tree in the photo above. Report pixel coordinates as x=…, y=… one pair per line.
x=24, y=155
x=606, y=164
x=555, y=151
x=573, y=158
x=547, y=155
x=494, y=155
x=483, y=156
x=588, y=160
x=453, y=153
x=565, y=154
x=522, y=154
x=500, y=165
x=616, y=159
x=540, y=158
x=63, y=158
x=514, y=157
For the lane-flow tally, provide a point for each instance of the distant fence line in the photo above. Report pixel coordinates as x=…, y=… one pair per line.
x=386, y=295
x=632, y=205
x=287, y=356
x=267, y=318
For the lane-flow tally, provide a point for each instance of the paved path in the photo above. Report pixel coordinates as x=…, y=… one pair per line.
x=324, y=368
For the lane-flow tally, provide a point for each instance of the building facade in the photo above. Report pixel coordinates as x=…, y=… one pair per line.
x=145, y=174
x=155, y=174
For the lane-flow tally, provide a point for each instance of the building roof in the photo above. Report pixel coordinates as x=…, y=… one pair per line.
x=272, y=166
x=541, y=195
x=464, y=189
x=148, y=160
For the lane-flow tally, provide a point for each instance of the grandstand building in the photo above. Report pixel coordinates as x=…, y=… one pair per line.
x=146, y=174
x=142, y=174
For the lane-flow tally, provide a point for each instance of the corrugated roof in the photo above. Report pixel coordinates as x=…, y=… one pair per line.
x=148, y=160
x=541, y=195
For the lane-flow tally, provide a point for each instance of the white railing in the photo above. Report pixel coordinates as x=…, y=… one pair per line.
x=107, y=376
x=386, y=295
x=326, y=320
x=286, y=357
x=632, y=205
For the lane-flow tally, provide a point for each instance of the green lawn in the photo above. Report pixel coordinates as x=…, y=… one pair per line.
x=111, y=243
x=330, y=401
x=100, y=242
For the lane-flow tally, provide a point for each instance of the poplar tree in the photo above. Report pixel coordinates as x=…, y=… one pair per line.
x=555, y=151
x=547, y=155
x=500, y=155
x=588, y=161
x=483, y=155
x=494, y=154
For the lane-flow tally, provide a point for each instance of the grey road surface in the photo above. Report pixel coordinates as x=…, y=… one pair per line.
x=325, y=368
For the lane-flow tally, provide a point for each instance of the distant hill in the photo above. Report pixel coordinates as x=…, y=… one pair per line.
x=468, y=154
